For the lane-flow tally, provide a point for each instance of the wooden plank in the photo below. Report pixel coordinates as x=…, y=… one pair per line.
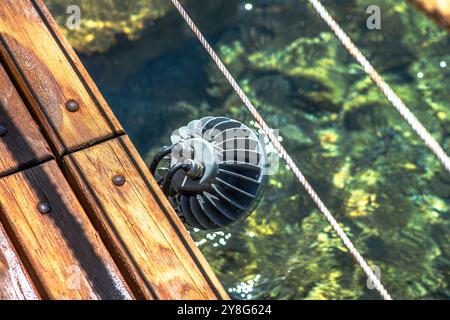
x=21, y=145
x=15, y=284
x=50, y=76
x=438, y=10
x=150, y=245
x=144, y=235
x=60, y=249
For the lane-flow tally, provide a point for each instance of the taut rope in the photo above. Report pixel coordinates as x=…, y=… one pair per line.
x=415, y=124
x=291, y=164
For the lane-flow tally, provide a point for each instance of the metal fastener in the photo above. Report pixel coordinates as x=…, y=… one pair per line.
x=118, y=180
x=44, y=207
x=72, y=106
x=3, y=131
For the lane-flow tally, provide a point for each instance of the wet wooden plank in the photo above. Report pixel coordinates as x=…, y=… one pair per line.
x=50, y=75
x=21, y=145
x=438, y=10
x=135, y=220
x=15, y=284
x=60, y=249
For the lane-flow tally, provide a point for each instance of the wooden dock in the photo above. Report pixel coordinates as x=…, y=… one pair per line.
x=438, y=10
x=81, y=217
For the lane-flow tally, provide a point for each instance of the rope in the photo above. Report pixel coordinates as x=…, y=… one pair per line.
x=382, y=85
x=290, y=163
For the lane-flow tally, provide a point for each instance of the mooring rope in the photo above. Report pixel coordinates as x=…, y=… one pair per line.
x=290, y=163
x=392, y=97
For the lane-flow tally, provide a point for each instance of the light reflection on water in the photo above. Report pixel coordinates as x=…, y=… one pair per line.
x=372, y=172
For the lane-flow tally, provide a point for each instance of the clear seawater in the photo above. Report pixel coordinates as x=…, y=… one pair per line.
x=377, y=177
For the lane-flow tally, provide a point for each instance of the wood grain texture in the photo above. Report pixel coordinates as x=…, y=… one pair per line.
x=23, y=145
x=61, y=250
x=153, y=250
x=49, y=74
x=15, y=284
x=156, y=254
x=438, y=10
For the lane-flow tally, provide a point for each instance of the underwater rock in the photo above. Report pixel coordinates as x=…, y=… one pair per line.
x=102, y=20
x=380, y=181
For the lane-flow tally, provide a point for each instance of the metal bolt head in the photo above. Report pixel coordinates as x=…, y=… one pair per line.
x=3, y=131
x=72, y=106
x=118, y=180
x=44, y=207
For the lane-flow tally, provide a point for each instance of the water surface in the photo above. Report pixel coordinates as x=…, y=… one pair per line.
x=381, y=182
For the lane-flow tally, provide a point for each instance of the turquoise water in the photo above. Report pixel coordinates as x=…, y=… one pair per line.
x=374, y=174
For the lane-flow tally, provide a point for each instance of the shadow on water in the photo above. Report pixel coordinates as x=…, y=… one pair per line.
x=382, y=184
x=140, y=78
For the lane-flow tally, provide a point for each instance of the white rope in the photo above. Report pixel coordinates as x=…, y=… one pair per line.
x=392, y=97
x=291, y=164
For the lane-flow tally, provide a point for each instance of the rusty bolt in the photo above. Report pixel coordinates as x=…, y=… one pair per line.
x=72, y=106
x=3, y=131
x=118, y=180
x=44, y=207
